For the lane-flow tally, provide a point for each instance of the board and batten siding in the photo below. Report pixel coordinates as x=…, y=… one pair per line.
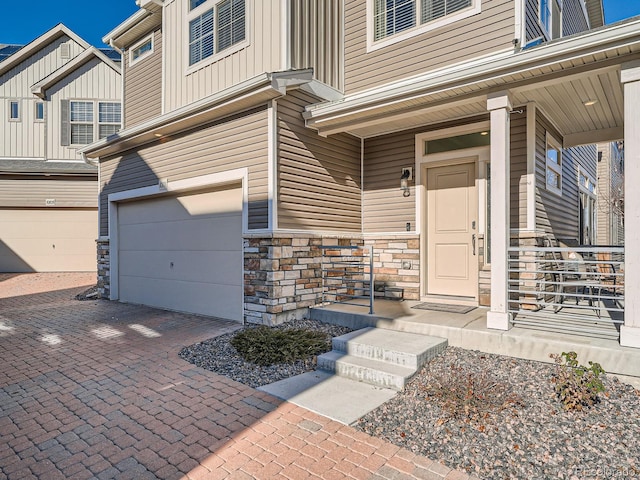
x=24, y=138
x=235, y=142
x=490, y=31
x=318, y=178
x=317, y=32
x=143, y=85
x=264, y=53
x=94, y=81
x=27, y=191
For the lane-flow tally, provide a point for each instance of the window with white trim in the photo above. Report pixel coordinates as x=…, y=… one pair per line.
x=109, y=118
x=89, y=121
x=214, y=27
x=39, y=113
x=141, y=50
x=14, y=110
x=391, y=17
x=553, y=165
x=81, y=123
x=550, y=17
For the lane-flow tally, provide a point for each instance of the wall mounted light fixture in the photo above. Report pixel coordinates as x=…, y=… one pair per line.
x=407, y=174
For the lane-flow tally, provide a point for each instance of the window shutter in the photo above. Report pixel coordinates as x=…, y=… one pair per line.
x=65, y=127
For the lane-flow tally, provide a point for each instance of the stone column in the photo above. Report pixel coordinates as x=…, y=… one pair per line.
x=499, y=106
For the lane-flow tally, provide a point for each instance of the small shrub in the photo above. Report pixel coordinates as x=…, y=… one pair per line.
x=576, y=386
x=266, y=346
x=470, y=396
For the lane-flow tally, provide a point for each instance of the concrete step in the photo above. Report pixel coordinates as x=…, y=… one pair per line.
x=373, y=372
x=398, y=348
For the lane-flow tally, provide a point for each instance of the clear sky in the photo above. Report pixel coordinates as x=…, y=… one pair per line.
x=23, y=20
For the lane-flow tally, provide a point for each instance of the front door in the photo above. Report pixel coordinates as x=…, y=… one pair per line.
x=452, y=211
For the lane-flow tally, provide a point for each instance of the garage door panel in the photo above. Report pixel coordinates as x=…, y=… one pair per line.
x=221, y=301
x=210, y=233
x=198, y=266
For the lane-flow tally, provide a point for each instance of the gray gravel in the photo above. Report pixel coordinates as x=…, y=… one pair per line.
x=533, y=439
x=218, y=355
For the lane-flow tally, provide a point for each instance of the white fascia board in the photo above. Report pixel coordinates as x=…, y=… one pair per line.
x=467, y=73
x=272, y=84
x=125, y=26
x=43, y=40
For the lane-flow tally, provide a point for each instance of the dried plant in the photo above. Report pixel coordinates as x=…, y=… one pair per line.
x=576, y=386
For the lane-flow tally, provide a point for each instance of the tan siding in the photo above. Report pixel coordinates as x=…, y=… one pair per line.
x=316, y=39
x=143, y=85
x=490, y=31
x=32, y=192
x=318, y=178
x=236, y=142
x=262, y=54
x=93, y=81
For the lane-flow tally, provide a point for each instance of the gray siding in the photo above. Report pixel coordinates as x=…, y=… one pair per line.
x=317, y=31
x=518, y=168
x=533, y=29
x=574, y=18
x=318, y=178
x=143, y=85
x=27, y=191
x=235, y=142
x=490, y=31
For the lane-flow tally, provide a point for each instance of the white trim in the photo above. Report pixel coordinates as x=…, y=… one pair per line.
x=163, y=69
x=520, y=23
x=557, y=145
x=419, y=28
x=285, y=38
x=143, y=55
x=18, y=104
x=272, y=168
x=531, y=167
x=179, y=186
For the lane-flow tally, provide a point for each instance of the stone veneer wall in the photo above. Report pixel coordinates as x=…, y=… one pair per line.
x=396, y=263
x=104, y=279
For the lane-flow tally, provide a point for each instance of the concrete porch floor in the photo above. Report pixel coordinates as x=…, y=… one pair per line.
x=469, y=331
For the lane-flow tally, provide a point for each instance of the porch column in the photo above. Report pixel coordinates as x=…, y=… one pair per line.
x=499, y=104
x=630, y=331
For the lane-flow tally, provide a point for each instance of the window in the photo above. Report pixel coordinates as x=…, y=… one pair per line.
x=109, y=118
x=550, y=17
x=81, y=123
x=14, y=110
x=39, y=111
x=215, y=29
x=141, y=50
x=554, y=165
x=392, y=17
x=458, y=142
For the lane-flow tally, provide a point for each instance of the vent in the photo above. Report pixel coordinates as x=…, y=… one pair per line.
x=65, y=50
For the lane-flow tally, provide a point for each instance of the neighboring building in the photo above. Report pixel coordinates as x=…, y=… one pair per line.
x=254, y=131
x=610, y=205
x=57, y=94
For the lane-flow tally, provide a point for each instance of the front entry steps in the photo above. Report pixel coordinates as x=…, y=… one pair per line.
x=379, y=357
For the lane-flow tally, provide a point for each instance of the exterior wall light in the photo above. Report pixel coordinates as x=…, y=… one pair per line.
x=404, y=181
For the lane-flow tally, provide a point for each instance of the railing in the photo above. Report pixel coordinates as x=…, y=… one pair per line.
x=347, y=275
x=574, y=288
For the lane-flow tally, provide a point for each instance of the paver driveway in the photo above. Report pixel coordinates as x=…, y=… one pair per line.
x=95, y=389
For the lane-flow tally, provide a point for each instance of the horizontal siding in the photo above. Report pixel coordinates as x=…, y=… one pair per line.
x=518, y=168
x=490, y=31
x=318, y=178
x=317, y=31
x=263, y=54
x=236, y=142
x=143, y=85
x=67, y=192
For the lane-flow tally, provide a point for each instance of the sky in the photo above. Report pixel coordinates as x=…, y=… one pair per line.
x=21, y=21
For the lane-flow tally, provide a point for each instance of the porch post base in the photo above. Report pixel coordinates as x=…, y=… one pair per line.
x=629, y=336
x=499, y=320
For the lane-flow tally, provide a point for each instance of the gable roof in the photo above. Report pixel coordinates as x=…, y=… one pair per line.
x=37, y=44
x=40, y=88
x=148, y=18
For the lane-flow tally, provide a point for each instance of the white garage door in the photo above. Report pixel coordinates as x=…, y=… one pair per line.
x=183, y=253
x=48, y=240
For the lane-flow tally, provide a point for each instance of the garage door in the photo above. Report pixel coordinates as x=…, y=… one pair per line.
x=48, y=240
x=183, y=253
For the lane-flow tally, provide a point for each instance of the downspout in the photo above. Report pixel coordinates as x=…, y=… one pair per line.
x=121, y=52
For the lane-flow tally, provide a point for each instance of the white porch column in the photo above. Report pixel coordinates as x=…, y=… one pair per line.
x=499, y=105
x=630, y=78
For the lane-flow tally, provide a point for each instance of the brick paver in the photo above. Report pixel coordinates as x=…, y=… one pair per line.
x=95, y=389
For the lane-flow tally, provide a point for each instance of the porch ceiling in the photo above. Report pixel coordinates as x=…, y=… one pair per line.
x=558, y=77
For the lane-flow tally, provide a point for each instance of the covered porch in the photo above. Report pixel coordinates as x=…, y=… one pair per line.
x=586, y=85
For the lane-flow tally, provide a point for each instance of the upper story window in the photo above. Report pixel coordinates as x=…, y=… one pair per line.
x=214, y=27
x=88, y=121
x=81, y=123
x=554, y=165
x=390, y=21
x=14, y=110
x=550, y=16
x=140, y=50
x=39, y=111
x=109, y=118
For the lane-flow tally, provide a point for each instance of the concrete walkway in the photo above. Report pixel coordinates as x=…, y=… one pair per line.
x=95, y=389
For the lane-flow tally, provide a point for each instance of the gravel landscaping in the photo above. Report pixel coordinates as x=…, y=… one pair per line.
x=519, y=429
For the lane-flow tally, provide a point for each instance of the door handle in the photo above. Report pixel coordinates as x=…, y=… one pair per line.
x=473, y=243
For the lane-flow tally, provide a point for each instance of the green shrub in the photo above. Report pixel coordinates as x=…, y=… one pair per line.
x=576, y=386
x=266, y=346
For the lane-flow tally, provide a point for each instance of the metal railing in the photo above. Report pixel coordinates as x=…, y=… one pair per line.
x=347, y=275
x=567, y=285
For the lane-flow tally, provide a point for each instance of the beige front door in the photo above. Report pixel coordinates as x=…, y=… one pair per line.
x=452, y=219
